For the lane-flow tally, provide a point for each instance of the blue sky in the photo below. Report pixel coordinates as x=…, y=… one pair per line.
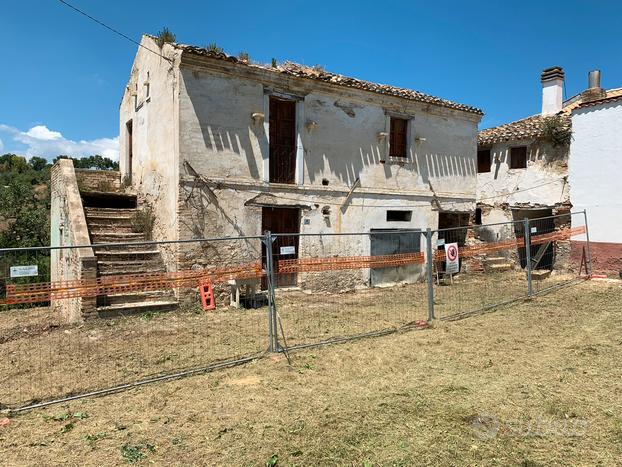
x=63, y=75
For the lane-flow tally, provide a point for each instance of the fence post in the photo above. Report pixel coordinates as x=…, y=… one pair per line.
x=527, y=238
x=588, y=260
x=429, y=260
x=268, y=240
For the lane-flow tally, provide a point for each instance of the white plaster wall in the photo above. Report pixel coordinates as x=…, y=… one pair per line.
x=155, y=135
x=218, y=138
x=542, y=183
x=595, y=160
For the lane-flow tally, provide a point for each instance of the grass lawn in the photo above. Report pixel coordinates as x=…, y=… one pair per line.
x=535, y=383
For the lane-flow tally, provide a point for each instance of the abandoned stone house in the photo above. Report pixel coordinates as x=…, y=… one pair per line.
x=523, y=170
x=218, y=146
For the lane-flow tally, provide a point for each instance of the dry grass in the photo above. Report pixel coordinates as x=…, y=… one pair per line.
x=505, y=388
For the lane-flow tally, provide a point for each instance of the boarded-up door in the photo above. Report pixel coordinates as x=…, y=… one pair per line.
x=282, y=141
x=393, y=242
x=282, y=221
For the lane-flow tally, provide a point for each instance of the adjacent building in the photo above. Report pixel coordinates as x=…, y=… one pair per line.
x=595, y=154
x=523, y=169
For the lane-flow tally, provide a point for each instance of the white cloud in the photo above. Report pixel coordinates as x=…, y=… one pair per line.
x=1, y=145
x=41, y=132
x=41, y=141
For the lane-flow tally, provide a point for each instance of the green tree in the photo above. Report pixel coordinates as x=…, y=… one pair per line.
x=37, y=163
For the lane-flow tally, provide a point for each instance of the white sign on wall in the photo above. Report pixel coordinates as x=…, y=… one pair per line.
x=288, y=250
x=24, y=271
x=452, y=260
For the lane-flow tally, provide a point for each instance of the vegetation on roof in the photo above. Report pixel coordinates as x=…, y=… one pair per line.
x=557, y=131
x=214, y=48
x=165, y=36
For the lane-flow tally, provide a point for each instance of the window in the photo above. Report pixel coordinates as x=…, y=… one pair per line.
x=399, y=216
x=282, y=163
x=518, y=157
x=397, y=137
x=483, y=161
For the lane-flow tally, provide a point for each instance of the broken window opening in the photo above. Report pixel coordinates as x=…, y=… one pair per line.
x=399, y=216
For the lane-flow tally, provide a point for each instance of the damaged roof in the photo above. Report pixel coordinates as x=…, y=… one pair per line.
x=533, y=127
x=317, y=73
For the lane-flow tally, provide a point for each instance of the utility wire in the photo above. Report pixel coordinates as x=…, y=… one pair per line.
x=119, y=33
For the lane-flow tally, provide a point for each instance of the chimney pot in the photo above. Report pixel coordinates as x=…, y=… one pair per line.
x=552, y=90
x=594, y=91
x=594, y=79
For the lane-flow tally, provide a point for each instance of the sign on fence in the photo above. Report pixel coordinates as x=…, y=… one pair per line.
x=24, y=271
x=288, y=250
x=452, y=265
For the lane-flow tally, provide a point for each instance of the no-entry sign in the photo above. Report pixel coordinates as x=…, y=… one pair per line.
x=452, y=260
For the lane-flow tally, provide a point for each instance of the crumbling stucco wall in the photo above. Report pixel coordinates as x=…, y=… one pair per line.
x=504, y=191
x=224, y=166
x=68, y=227
x=150, y=103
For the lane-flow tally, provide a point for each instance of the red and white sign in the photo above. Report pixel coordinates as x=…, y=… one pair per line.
x=452, y=260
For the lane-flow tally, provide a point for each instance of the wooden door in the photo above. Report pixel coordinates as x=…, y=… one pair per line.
x=282, y=221
x=282, y=141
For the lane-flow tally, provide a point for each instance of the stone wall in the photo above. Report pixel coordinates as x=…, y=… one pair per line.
x=69, y=228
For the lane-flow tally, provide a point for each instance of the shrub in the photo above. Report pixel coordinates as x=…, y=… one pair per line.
x=143, y=221
x=214, y=48
x=165, y=36
x=557, y=130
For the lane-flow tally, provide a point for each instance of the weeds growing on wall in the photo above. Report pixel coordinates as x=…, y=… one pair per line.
x=557, y=130
x=165, y=36
x=214, y=48
x=143, y=221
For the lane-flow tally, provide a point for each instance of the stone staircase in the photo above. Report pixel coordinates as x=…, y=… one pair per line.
x=497, y=264
x=114, y=225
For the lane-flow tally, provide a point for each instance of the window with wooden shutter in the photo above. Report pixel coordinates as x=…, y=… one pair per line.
x=483, y=161
x=397, y=137
x=518, y=157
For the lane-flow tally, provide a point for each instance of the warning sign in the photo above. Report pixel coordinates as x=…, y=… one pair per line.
x=452, y=265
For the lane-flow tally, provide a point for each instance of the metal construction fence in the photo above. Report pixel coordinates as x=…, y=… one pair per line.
x=231, y=300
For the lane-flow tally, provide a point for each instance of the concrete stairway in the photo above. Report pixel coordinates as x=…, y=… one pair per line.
x=114, y=225
x=497, y=264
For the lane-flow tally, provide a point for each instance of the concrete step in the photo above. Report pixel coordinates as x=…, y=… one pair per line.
x=540, y=274
x=117, y=237
x=129, y=267
x=96, y=228
x=125, y=254
x=125, y=309
x=136, y=297
x=110, y=212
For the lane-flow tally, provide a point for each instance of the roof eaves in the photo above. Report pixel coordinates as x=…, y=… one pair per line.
x=301, y=71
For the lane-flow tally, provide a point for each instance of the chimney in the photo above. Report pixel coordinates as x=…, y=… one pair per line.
x=552, y=90
x=594, y=91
